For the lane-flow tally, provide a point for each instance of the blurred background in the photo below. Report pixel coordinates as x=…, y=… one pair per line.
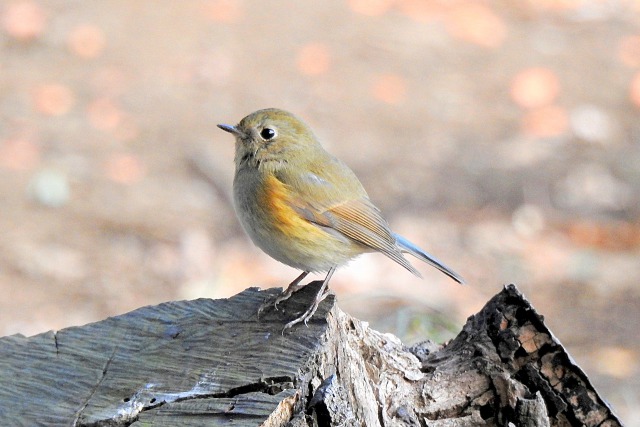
x=503, y=137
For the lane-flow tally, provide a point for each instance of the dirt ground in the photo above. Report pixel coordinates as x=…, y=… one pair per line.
x=503, y=137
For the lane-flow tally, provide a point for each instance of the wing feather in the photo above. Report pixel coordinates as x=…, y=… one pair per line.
x=332, y=197
x=360, y=221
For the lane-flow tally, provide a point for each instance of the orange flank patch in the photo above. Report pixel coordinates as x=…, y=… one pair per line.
x=277, y=204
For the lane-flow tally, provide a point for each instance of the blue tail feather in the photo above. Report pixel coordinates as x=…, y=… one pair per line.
x=406, y=246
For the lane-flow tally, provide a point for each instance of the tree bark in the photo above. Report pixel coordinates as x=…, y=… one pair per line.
x=212, y=362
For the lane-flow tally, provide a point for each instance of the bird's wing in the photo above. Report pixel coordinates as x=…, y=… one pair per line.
x=317, y=199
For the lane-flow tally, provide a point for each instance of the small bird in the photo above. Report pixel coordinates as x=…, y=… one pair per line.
x=306, y=208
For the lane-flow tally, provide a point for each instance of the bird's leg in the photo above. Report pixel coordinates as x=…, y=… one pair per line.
x=320, y=296
x=284, y=295
x=293, y=287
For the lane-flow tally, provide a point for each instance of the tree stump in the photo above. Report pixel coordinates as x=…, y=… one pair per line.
x=210, y=362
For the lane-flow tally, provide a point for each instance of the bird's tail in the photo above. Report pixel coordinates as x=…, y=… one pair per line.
x=407, y=246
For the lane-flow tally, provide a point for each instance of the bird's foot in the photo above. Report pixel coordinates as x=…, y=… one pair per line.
x=273, y=302
x=308, y=314
x=293, y=287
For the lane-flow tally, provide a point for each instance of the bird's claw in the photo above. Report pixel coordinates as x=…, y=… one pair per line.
x=273, y=302
x=308, y=314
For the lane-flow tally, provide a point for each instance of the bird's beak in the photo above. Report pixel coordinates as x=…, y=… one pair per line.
x=231, y=129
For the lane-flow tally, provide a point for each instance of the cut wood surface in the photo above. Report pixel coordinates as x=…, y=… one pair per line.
x=211, y=362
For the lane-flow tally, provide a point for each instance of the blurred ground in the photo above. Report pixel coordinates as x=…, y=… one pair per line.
x=503, y=137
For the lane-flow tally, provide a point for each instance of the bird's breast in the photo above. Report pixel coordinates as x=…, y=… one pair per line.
x=264, y=205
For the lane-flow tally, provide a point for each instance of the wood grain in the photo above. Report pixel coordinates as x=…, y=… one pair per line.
x=211, y=362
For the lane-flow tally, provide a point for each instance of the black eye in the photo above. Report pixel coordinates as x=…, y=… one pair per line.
x=267, y=134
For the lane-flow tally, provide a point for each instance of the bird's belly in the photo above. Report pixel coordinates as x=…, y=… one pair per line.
x=275, y=227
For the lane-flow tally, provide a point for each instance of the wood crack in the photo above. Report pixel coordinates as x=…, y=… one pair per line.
x=95, y=388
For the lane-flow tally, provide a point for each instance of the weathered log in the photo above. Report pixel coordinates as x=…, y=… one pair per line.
x=210, y=362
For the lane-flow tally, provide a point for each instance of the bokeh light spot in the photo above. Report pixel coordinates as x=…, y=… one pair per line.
x=528, y=220
x=629, y=51
x=389, y=88
x=478, y=24
x=535, y=87
x=370, y=7
x=314, y=59
x=124, y=169
x=19, y=154
x=557, y=5
x=227, y=11
x=591, y=123
x=634, y=90
x=53, y=99
x=420, y=10
x=25, y=20
x=617, y=362
x=50, y=188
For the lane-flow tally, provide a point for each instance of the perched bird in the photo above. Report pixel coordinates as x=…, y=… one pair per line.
x=304, y=207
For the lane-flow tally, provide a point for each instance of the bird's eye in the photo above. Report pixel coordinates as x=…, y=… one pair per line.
x=267, y=134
